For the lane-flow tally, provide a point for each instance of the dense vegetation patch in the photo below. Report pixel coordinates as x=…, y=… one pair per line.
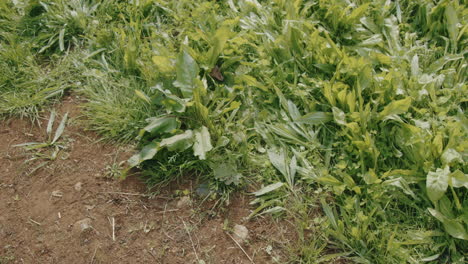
x=354, y=107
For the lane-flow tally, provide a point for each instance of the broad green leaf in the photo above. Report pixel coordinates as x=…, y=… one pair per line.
x=60, y=128
x=227, y=173
x=161, y=125
x=171, y=103
x=453, y=227
x=450, y=156
x=329, y=180
x=458, y=179
x=168, y=100
x=268, y=189
x=164, y=64
x=219, y=40
x=396, y=108
x=146, y=153
x=370, y=177
x=401, y=183
x=202, y=142
x=339, y=116
x=179, y=142
x=187, y=72
x=278, y=159
x=437, y=183
x=315, y=118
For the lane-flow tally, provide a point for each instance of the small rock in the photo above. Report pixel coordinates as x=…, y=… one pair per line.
x=203, y=189
x=183, y=202
x=241, y=233
x=78, y=186
x=82, y=225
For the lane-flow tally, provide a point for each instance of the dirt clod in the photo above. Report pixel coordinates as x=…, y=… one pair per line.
x=78, y=186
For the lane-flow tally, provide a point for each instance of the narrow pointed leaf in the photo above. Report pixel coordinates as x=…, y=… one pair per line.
x=60, y=128
x=268, y=189
x=50, y=124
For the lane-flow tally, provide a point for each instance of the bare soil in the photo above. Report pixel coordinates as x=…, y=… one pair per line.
x=42, y=202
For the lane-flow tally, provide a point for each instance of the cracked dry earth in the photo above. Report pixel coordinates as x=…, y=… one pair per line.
x=69, y=210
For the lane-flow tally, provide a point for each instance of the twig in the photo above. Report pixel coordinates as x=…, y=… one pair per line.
x=113, y=228
x=165, y=211
x=241, y=248
x=92, y=259
x=124, y=193
x=152, y=254
x=193, y=246
x=112, y=223
x=167, y=234
x=32, y=221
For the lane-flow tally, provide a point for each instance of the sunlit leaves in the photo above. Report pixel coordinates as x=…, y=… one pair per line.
x=161, y=125
x=268, y=188
x=437, y=183
x=202, y=142
x=450, y=156
x=187, y=72
x=396, y=108
x=178, y=142
x=227, y=173
x=315, y=118
x=454, y=227
x=164, y=64
x=339, y=116
x=146, y=153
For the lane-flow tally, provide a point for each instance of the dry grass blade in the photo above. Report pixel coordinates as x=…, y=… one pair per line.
x=191, y=241
x=241, y=248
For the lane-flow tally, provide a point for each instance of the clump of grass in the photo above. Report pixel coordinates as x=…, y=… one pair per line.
x=113, y=109
x=29, y=80
x=27, y=86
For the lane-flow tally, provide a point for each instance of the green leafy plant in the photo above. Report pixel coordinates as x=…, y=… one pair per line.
x=50, y=148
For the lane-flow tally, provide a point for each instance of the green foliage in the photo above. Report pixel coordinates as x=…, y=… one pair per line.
x=29, y=80
x=360, y=103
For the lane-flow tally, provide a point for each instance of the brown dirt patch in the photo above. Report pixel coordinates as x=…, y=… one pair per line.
x=39, y=209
